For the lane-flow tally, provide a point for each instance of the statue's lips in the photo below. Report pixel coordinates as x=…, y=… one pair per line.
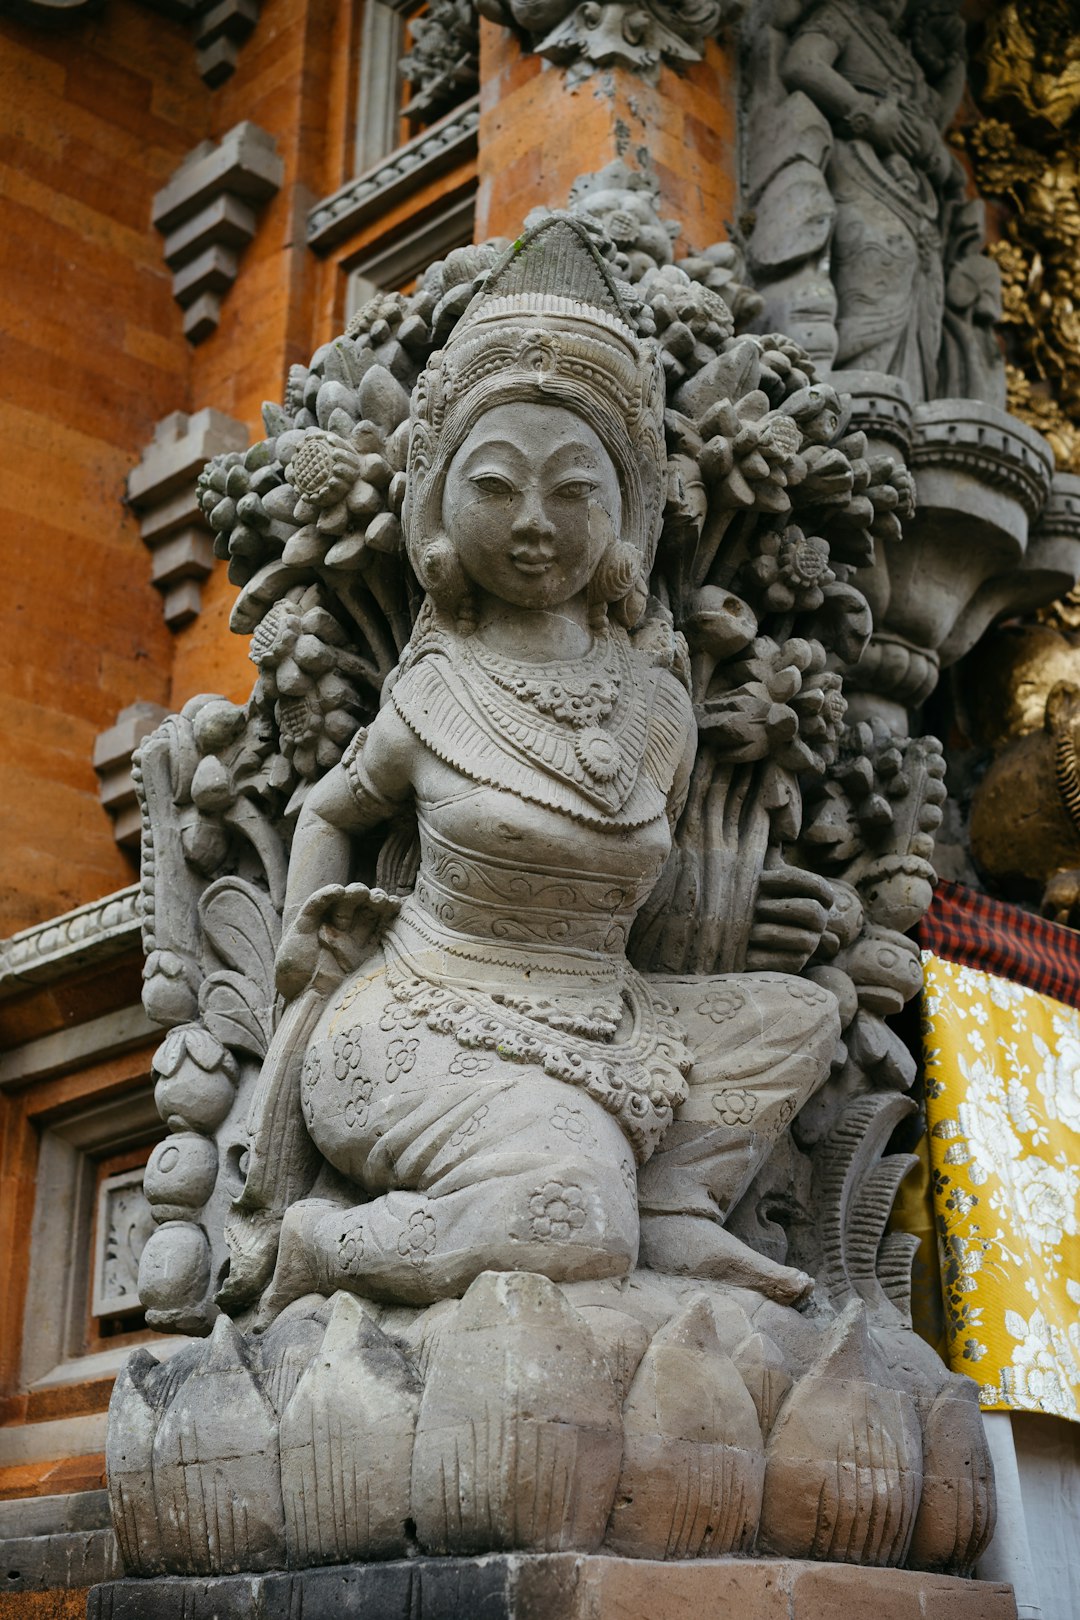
x=532, y=561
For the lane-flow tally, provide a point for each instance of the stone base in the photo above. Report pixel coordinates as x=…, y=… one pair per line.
x=560, y=1586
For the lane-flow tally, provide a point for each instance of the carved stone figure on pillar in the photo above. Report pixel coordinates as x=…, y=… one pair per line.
x=864, y=191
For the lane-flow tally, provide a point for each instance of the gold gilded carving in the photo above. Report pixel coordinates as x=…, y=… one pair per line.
x=1027, y=152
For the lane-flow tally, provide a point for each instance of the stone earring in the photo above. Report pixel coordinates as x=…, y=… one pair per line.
x=617, y=587
x=439, y=571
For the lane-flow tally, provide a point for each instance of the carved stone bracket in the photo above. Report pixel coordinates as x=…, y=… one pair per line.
x=220, y=30
x=112, y=762
x=604, y=33
x=162, y=491
x=208, y=212
x=220, y=26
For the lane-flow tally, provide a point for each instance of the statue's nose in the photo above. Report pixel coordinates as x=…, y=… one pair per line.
x=532, y=517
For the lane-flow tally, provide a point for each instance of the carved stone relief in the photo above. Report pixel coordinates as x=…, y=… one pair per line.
x=123, y=1224
x=441, y=66
x=584, y=35
x=526, y=943
x=864, y=241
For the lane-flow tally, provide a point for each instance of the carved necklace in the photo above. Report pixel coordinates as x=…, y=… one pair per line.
x=576, y=716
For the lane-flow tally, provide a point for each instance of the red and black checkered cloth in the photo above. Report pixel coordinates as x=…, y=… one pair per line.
x=967, y=927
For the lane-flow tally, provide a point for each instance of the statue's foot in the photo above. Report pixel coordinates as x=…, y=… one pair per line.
x=692, y=1246
x=298, y=1271
x=253, y=1245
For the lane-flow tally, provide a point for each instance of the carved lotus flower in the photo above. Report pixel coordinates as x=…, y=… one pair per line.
x=322, y=472
x=783, y=703
x=751, y=453
x=792, y=570
x=349, y=492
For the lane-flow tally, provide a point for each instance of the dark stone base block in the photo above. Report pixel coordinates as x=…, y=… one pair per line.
x=560, y=1586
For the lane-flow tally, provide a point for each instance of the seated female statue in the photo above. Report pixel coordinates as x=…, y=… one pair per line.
x=484, y=1083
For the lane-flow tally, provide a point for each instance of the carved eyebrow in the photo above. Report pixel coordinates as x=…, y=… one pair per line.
x=480, y=450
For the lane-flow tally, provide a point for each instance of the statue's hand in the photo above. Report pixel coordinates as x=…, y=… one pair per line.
x=330, y=936
x=895, y=128
x=790, y=918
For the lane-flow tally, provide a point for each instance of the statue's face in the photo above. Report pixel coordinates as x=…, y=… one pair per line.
x=530, y=502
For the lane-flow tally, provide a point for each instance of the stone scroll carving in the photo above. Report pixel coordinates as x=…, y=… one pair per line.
x=526, y=944
x=584, y=35
x=865, y=242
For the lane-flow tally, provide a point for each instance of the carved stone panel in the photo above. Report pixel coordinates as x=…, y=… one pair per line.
x=123, y=1223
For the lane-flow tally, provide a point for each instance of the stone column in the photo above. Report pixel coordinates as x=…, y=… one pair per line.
x=539, y=130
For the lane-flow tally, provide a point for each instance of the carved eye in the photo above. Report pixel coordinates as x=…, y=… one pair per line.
x=576, y=489
x=493, y=484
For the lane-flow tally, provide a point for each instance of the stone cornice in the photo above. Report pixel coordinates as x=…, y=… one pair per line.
x=57, y=947
x=980, y=439
x=450, y=141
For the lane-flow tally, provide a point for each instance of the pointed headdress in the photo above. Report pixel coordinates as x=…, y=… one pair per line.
x=548, y=325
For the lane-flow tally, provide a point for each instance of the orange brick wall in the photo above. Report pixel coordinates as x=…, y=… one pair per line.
x=293, y=80
x=537, y=136
x=94, y=117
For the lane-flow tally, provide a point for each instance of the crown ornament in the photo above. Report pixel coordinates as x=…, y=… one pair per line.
x=549, y=323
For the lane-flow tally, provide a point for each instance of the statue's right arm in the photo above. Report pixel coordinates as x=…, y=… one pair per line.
x=373, y=780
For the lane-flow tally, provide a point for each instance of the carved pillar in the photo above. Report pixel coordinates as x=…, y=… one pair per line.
x=539, y=130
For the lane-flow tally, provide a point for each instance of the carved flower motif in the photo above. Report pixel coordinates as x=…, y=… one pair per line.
x=791, y=570
x=346, y=1056
x=721, y=1004
x=569, y=1120
x=418, y=1238
x=783, y=703
x=322, y=472
x=400, y=1057
x=598, y=753
x=470, y=1126
x=556, y=1211
x=468, y=1064
x=350, y=1249
x=692, y=321
x=735, y=1107
x=751, y=453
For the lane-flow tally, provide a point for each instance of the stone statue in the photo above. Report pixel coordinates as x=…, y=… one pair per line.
x=862, y=220
x=527, y=942
x=546, y=755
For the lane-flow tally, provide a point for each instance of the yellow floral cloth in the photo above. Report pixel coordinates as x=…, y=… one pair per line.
x=1003, y=1123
